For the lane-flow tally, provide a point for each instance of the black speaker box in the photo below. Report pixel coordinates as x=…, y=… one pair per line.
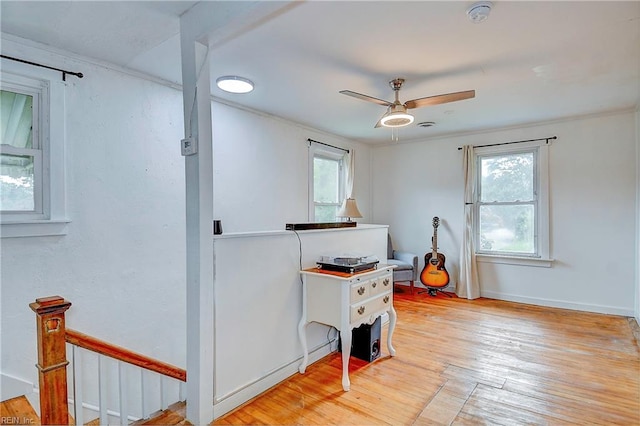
x=365, y=341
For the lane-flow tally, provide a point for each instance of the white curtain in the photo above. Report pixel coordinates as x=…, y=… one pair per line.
x=350, y=163
x=469, y=284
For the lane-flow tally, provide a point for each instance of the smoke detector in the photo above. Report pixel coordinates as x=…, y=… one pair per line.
x=479, y=12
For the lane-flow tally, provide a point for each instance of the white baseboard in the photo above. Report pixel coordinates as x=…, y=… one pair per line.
x=224, y=404
x=11, y=387
x=601, y=309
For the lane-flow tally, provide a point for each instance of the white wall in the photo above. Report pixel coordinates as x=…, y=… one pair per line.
x=637, y=298
x=261, y=170
x=122, y=264
x=593, y=205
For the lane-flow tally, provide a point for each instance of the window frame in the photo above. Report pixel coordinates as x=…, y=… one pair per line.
x=541, y=256
x=39, y=93
x=327, y=153
x=48, y=149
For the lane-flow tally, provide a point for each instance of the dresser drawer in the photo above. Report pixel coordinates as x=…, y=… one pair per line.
x=381, y=284
x=360, y=291
x=369, y=307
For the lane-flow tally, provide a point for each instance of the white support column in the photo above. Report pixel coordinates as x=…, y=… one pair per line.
x=199, y=222
x=206, y=23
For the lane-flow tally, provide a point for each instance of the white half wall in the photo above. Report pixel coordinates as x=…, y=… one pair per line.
x=258, y=293
x=593, y=188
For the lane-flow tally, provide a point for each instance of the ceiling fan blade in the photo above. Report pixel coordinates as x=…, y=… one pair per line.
x=440, y=99
x=366, y=98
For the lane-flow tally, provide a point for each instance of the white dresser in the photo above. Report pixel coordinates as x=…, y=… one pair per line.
x=346, y=301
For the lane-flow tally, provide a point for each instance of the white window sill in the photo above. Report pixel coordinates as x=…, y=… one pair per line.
x=36, y=228
x=515, y=260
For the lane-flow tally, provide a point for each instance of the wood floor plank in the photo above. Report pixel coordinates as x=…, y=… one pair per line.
x=465, y=362
x=18, y=411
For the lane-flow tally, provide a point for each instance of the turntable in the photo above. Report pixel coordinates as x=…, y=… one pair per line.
x=347, y=264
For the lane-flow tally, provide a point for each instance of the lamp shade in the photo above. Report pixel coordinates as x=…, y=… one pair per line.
x=349, y=209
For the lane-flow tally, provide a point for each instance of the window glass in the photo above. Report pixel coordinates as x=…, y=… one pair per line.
x=326, y=180
x=507, y=228
x=16, y=119
x=16, y=183
x=507, y=177
x=325, y=213
x=17, y=158
x=507, y=205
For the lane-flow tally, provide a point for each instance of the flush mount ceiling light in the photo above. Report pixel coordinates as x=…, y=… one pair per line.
x=234, y=84
x=397, y=116
x=479, y=12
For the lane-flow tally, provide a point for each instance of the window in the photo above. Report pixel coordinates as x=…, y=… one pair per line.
x=20, y=153
x=511, y=209
x=326, y=183
x=31, y=153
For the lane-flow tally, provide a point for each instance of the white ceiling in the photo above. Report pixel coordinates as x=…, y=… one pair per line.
x=529, y=62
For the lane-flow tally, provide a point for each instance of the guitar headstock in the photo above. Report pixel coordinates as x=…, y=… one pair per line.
x=436, y=221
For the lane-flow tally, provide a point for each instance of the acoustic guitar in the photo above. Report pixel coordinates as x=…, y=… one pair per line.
x=434, y=274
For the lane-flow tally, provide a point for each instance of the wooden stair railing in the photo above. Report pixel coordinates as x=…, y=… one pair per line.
x=96, y=345
x=52, y=338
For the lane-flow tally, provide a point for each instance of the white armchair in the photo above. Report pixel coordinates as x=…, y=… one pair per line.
x=406, y=269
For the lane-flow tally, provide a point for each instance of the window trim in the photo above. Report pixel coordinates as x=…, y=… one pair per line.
x=331, y=154
x=53, y=218
x=542, y=256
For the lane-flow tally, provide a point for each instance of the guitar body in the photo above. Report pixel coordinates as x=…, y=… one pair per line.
x=434, y=273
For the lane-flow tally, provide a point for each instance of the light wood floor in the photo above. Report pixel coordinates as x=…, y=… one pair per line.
x=471, y=362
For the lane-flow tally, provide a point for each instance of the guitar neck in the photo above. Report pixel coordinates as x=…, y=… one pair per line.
x=434, y=248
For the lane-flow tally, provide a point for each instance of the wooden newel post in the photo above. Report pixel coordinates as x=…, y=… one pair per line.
x=52, y=359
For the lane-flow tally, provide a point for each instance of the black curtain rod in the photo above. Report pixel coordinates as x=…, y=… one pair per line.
x=508, y=143
x=64, y=72
x=326, y=144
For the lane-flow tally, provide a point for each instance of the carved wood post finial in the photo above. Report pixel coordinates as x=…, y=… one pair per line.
x=52, y=359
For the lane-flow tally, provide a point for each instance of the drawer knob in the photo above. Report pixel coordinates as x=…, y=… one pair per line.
x=386, y=299
x=361, y=291
x=385, y=282
x=374, y=284
x=361, y=310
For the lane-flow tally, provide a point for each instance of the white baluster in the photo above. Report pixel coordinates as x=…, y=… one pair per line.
x=78, y=413
x=124, y=398
x=164, y=404
x=182, y=393
x=102, y=389
x=143, y=395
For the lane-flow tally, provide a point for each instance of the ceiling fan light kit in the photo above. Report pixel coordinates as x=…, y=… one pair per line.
x=479, y=12
x=396, y=119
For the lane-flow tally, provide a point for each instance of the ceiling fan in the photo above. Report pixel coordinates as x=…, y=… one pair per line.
x=396, y=115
